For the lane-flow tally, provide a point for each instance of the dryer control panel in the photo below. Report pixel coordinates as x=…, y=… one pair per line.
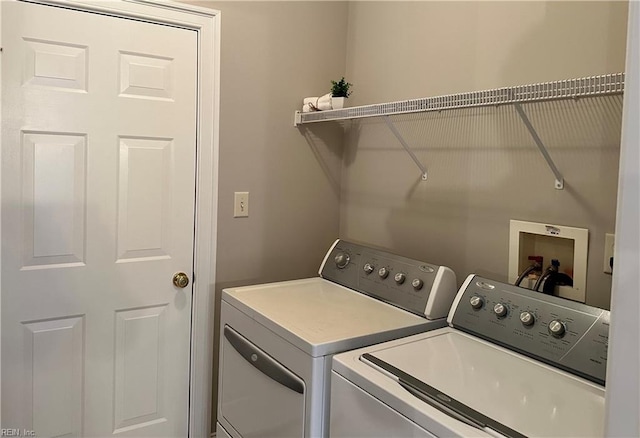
x=421, y=288
x=560, y=332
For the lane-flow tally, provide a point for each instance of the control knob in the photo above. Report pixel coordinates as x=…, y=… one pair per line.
x=500, y=310
x=527, y=318
x=400, y=277
x=417, y=283
x=383, y=272
x=476, y=302
x=557, y=328
x=342, y=260
x=368, y=268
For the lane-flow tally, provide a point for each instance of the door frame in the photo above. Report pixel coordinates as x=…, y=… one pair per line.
x=622, y=397
x=206, y=22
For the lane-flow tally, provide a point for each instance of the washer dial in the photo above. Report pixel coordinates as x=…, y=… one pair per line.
x=527, y=318
x=500, y=310
x=557, y=328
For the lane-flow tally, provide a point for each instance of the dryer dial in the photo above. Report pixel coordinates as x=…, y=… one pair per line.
x=342, y=260
x=476, y=302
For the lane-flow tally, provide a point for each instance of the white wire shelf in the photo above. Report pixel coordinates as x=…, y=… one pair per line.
x=592, y=86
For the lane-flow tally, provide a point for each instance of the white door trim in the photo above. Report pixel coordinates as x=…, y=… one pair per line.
x=622, y=398
x=207, y=23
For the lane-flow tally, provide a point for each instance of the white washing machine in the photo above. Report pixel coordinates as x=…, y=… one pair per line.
x=277, y=339
x=512, y=362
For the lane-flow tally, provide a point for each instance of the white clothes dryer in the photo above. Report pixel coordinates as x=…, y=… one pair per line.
x=512, y=363
x=277, y=339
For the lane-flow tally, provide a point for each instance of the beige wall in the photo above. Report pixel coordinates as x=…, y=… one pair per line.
x=400, y=50
x=272, y=55
x=484, y=168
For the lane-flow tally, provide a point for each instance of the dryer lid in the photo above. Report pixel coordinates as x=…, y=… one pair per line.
x=321, y=317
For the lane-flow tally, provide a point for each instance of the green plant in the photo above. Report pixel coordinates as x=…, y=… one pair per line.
x=340, y=88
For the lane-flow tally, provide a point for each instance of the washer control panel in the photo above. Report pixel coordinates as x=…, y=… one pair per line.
x=416, y=286
x=563, y=333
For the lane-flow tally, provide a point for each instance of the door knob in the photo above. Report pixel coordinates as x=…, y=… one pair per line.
x=180, y=280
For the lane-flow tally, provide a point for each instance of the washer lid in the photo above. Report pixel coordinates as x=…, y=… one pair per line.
x=321, y=317
x=522, y=394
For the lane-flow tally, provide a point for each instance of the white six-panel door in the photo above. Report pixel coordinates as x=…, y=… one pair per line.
x=98, y=188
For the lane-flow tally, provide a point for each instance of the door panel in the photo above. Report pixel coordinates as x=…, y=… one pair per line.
x=53, y=198
x=145, y=76
x=55, y=65
x=139, y=388
x=54, y=374
x=98, y=189
x=145, y=198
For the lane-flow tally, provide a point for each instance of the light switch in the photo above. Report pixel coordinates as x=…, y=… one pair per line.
x=241, y=204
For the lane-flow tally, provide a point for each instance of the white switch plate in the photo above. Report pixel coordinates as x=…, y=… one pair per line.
x=608, y=252
x=241, y=204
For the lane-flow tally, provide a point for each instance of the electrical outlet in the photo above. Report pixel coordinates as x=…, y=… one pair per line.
x=241, y=204
x=608, y=252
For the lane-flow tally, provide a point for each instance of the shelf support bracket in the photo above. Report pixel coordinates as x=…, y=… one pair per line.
x=406, y=147
x=559, y=183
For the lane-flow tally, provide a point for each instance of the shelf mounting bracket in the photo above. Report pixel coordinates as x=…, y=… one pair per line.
x=406, y=147
x=559, y=183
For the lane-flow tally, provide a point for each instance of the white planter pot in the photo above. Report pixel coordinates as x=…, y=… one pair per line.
x=337, y=102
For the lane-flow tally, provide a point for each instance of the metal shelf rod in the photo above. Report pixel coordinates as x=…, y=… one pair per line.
x=406, y=147
x=559, y=183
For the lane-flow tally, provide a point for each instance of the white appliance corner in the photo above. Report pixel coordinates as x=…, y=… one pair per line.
x=456, y=300
x=326, y=257
x=445, y=288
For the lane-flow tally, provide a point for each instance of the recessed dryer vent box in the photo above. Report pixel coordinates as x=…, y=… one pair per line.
x=567, y=244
